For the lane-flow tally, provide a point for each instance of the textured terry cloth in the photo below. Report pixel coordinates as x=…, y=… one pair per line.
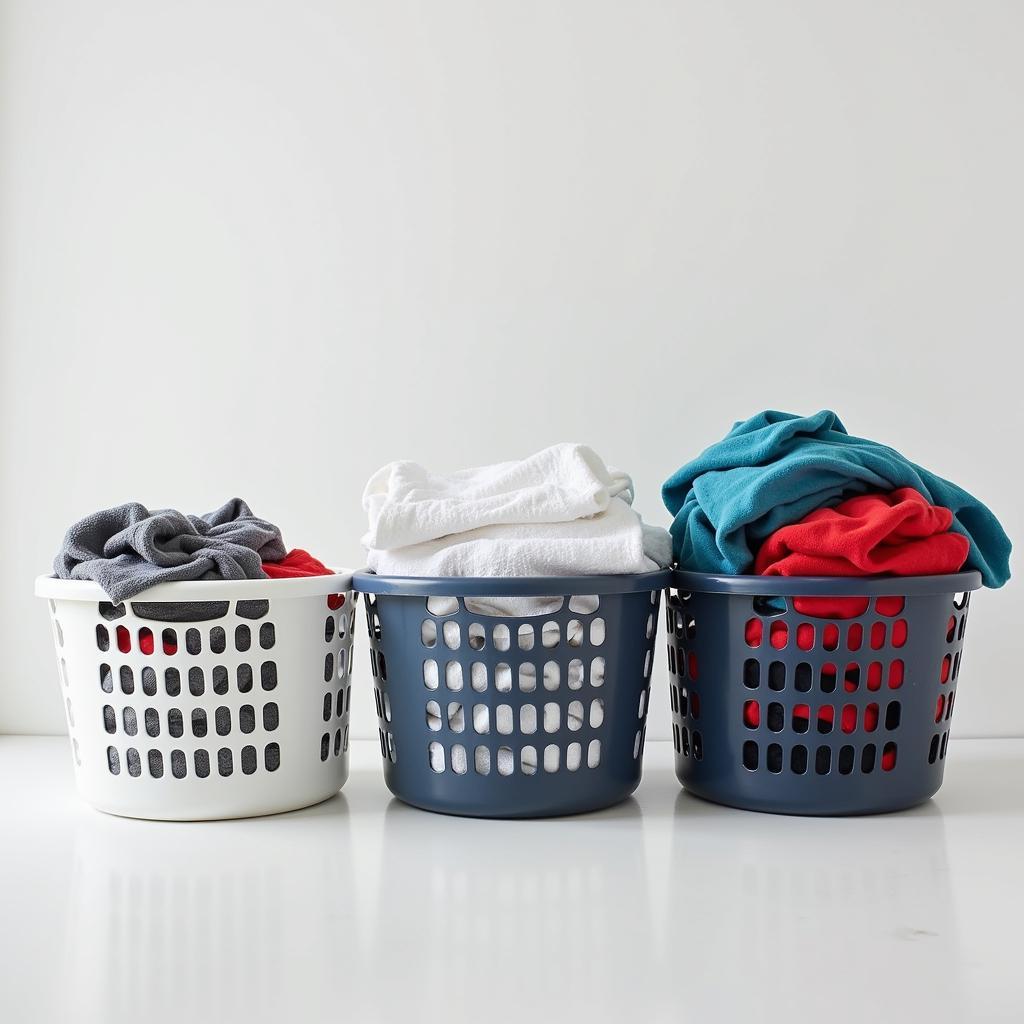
x=897, y=534
x=128, y=548
x=296, y=563
x=775, y=468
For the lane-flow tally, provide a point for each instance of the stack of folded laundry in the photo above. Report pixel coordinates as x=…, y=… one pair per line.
x=127, y=549
x=560, y=512
x=799, y=496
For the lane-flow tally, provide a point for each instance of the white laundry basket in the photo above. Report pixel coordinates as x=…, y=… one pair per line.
x=206, y=699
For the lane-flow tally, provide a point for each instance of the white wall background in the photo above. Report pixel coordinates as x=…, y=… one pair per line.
x=262, y=248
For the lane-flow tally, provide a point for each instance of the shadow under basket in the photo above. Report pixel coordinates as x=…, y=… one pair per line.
x=208, y=698
x=781, y=705
x=512, y=697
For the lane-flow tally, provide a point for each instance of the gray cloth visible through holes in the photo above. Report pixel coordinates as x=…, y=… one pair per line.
x=180, y=611
x=128, y=548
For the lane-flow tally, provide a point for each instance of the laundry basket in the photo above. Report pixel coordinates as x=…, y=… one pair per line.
x=776, y=709
x=512, y=697
x=206, y=699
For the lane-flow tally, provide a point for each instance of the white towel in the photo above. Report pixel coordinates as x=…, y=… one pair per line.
x=560, y=512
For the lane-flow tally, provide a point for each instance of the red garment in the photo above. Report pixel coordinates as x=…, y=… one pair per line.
x=296, y=563
x=897, y=534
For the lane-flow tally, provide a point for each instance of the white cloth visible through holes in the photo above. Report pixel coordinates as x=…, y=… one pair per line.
x=560, y=512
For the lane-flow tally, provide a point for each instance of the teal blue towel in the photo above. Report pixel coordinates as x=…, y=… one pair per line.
x=775, y=468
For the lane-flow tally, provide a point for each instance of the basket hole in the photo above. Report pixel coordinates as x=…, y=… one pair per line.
x=433, y=716
x=552, y=675
x=506, y=761
x=848, y=718
x=252, y=609
x=777, y=675
x=751, y=714
x=951, y=629
x=597, y=671
x=152, y=720
x=828, y=677
x=573, y=757
x=574, y=716
x=867, y=759
x=877, y=636
x=478, y=676
x=855, y=637
x=127, y=679
x=102, y=637
x=430, y=675
x=871, y=718
x=134, y=762
x=773, y=758
x=753, y=633
x=552, y=758
x=649, y=631
x=698, y=746
x=460, y=763
x=456, y=717
x=106, y=679
x=528, y=719
x=552, y=717
x=801, y=718
x=243, y=638
x=525, y=637
x=751, y=673
x=596, y=713
x=247, y=718
x=947, y=664
x=503, y=720
x=899, y=632
x=597, y=632
x=452, y=635
x=826, y=718
x=268, y=675
x=477, y=636
x=428, y=633
x=845, y=760
x=110, y=719
x=750, y=756
x=222, y=721
x=179, y=764
x=637, y=742
x=248, y=760
x=453, y=675
x=268, y=636
x=802, y=677
x=502, y=678
x=889, y=756
x=528, y=760
x=892, y=715
x=441, y=606
x=798, y=760
x=550, y=634
x=218, y=640
x=575, y=675
x=960, y=600
x=482, y=761
x=942, y=749
x=124, y=640
x=851, y=677
x=830, y=637
x=501, y=637
x=149, y=682
x=776, y=718
x=202, y=763
x=874, y=675
x=107, y=610
x=527, y=677
x=933, y=748
x=339, y=705
x=436, y=757
x=896, y=674
x=196, y=681
x=574, y=633
x=481, y=719
x=769, y=606
x=823, y=760
x=584, y=604
x=805, y=636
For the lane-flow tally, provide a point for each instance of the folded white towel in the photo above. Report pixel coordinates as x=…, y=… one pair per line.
x=561, y=512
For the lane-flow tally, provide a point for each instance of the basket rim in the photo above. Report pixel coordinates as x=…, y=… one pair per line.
x=826, y=586
x=201, y=590
x=509, y=586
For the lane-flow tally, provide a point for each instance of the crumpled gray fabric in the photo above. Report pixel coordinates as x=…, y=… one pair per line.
x=128, y=548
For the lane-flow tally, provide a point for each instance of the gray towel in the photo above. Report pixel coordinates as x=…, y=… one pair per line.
x=128, y=548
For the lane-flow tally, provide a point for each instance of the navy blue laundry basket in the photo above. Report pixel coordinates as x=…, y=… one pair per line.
x=489, y=713
x=775, y=709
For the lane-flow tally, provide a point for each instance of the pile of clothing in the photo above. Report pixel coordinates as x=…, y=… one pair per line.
x=560, y=512
x=127, y=549
x=791, y=495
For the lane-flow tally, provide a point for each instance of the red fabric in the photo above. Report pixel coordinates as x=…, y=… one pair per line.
x=897, y=534
x=296, y=563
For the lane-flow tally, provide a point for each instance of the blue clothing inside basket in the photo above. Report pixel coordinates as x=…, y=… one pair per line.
x=774, y=468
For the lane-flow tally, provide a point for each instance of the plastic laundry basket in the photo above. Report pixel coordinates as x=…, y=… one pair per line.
x=206, y=699
x=775, y=710
x=512, y=716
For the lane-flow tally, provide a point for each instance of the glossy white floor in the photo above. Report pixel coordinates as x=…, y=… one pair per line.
x=663, y=909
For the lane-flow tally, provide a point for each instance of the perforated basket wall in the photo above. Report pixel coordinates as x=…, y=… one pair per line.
x=233, y=705
x=508, y=715
x=777, y=710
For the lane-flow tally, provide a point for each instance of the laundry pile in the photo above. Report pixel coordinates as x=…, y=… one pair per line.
x=799, y=496
x=560, y=512
x=128, y=549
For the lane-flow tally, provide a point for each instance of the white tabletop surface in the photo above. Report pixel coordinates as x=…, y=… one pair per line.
x=662, y=909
